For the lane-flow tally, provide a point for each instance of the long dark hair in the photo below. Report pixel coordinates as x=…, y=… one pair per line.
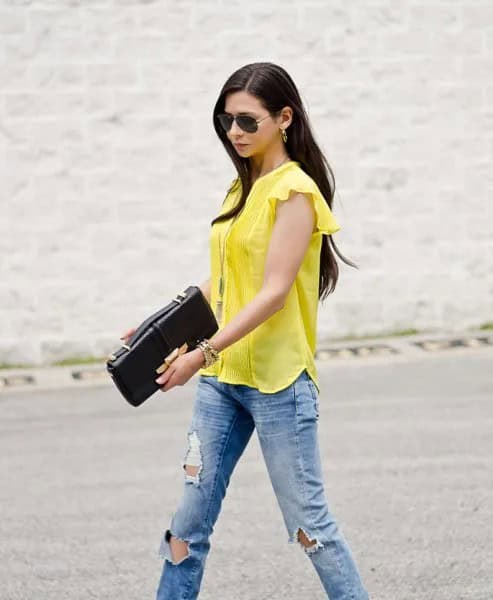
x=275, y=89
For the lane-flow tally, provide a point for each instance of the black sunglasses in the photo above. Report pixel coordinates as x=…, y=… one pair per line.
x=245, y=122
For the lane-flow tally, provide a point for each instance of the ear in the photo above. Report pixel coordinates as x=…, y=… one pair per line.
x=286, y=116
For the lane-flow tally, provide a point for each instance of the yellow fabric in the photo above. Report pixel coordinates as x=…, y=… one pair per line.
x=271, y=356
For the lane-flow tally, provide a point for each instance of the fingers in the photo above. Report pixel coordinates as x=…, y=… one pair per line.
x=128, y=333
x=163, y=379
x=162, y=385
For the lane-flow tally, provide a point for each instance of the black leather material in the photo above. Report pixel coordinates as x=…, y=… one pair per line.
x=186, y=319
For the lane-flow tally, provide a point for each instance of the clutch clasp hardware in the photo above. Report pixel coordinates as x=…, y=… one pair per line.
x=171, y=357
x=180, y=294
x=113, y=356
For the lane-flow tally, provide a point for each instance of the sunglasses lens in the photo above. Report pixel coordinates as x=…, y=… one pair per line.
x=226, y=121
x=247, y=123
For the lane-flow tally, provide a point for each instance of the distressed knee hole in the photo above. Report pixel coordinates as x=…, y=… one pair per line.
x=173, y=549
x=192, y=463
x=309, y=545
x=303, y=539
x=179, y=549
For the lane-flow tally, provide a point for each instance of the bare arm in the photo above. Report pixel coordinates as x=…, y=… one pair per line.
x=294, y=222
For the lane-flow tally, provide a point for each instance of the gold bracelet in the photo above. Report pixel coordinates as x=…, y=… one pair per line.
x=211, y=355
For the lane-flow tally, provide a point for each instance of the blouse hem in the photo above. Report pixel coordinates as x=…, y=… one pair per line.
x=225, y=379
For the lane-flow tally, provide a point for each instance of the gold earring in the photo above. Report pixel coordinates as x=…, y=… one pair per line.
x=284, y=135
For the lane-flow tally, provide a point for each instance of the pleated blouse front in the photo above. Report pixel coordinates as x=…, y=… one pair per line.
x=271, y=356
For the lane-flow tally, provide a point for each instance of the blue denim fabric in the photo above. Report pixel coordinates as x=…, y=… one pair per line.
x=224, y=418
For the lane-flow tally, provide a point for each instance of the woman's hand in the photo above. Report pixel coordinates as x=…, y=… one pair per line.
x=181, y=369
x=128, y=334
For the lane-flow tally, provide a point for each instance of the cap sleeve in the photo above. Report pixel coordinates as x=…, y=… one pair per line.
x=325, y=222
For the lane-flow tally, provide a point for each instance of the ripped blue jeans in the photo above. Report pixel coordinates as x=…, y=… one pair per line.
x=223, y=421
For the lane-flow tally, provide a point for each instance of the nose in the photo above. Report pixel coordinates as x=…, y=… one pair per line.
x=235, y=130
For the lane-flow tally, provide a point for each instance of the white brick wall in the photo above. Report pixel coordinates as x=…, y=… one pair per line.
x=107, y=150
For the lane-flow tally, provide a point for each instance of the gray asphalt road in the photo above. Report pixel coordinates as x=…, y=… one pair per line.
x=89, y=483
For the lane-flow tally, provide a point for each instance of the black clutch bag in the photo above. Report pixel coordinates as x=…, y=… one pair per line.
x=175, y=329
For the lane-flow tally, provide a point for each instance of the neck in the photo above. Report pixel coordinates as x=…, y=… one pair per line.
x=262, y=164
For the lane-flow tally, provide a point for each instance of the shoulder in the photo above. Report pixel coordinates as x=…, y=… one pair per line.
x=293, y=181
x=297, y=177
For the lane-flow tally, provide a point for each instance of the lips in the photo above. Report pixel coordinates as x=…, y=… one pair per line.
x=240, y=146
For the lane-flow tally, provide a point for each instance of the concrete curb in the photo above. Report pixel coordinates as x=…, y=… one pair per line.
x=357, y=353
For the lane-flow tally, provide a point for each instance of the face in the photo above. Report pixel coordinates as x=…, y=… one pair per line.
x=268, y=134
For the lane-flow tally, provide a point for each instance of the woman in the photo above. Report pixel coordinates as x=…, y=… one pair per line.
x=271, y=262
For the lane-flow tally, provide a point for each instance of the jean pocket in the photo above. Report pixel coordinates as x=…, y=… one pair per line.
x=306, y=396
x=314, y=391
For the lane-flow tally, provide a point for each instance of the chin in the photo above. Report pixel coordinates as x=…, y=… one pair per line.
x=247, y=153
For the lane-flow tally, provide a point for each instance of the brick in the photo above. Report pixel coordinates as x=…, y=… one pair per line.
x=12, y=22
x=14, y=77
x=57, y=77
x=177, y=16
x=477, y=16
x=441, y=16
x=460, y=44
x=58, y=21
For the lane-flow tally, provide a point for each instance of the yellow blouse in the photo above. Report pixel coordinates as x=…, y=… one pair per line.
x=271, y=356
